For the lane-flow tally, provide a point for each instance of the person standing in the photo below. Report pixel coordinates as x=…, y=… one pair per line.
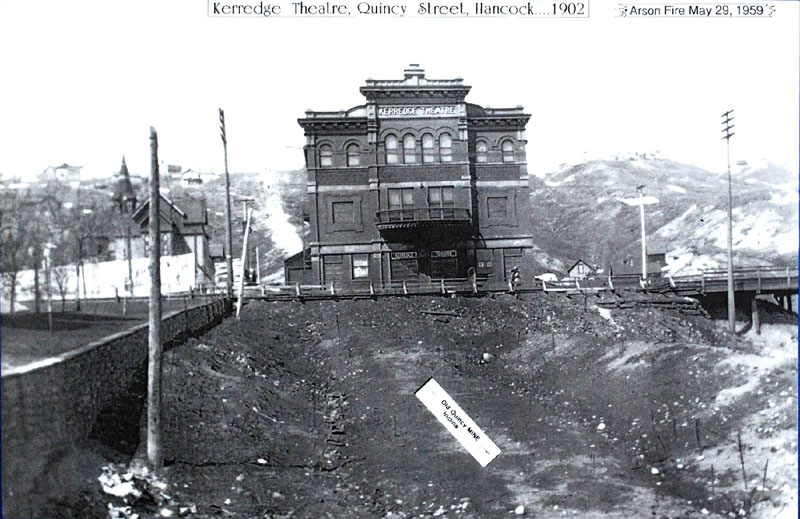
x=473, y=279
x=514, y=280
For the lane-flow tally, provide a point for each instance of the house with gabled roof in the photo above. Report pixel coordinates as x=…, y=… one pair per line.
x=581, y=270
x=183, y=228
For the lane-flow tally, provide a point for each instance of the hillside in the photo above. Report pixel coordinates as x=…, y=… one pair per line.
x=278, y=203
x=577, y=214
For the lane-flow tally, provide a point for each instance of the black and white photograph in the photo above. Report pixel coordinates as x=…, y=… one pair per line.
x=399, y=259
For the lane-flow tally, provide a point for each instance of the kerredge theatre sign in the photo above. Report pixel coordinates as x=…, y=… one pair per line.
x=418, y=111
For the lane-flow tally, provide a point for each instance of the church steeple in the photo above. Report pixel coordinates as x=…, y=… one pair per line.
x=123, y=171
x=124, y=196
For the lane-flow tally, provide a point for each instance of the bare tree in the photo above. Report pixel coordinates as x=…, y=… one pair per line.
x=19, y=237
x=61, y=277
x=14, y=245
x=84, y=226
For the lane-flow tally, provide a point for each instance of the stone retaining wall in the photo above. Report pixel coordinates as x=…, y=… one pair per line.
x=50, y=407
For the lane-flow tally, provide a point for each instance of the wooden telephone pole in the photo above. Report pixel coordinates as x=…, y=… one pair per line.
x=154, y=446
x=228, y=229
x=731, y=302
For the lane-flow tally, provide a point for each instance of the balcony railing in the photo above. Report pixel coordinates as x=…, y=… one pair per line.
x=423, y=215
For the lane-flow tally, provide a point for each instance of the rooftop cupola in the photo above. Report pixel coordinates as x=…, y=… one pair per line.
x=413, y=74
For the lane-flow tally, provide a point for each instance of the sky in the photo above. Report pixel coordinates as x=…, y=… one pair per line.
x=84, y=80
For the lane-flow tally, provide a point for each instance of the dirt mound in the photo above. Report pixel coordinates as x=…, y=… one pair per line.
x=308, y=410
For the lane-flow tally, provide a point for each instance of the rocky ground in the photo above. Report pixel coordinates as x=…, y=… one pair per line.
x=308, y=410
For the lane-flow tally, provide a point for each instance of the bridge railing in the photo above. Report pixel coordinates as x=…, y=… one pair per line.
x=752, y=272
x=365, y=287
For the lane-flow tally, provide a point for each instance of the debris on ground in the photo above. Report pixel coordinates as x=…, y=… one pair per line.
x=307, y=410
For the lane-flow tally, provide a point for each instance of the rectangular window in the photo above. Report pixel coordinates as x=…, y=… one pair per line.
x=399, y=198
x=342, y=212
x=445, y=148
x=481, y=151
x=447, y=196
x=325, y=156
x=401, y=203
x=441, y=196
x=409, y=145
x=353, y=156
x=427, y=149
x=441, y=201
x=404, y=268
x=360, y=266
x=332, y=268
x=497, y=206
x=391, y=149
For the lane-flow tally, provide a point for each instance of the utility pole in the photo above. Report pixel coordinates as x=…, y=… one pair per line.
x=154, y=450
x=258, y=267
x=641, y=201
x=244, y=252
x=731, y=302
x=228, y=227
x=245, y=256
x=644, y=235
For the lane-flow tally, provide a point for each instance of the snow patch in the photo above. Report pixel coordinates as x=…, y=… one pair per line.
x=629, y=350
x=786, y=197
x=675, y=188
x=5, y=305
x=777, y=344
x=552, y=183
x=605, y=313
x=284, y=235
x=729, y=395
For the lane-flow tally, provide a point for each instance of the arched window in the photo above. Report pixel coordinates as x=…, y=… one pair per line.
x=353, y=155
x=409, y=156
x=390, y=143
x=508, y=151
x=427, y=148
x=481, y=151
x=325, y=156
x=445, y=148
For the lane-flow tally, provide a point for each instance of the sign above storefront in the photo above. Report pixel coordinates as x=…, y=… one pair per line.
x=404, y=255
x=418, y=111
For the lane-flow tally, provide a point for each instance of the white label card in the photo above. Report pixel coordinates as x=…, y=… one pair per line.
x=456, y=420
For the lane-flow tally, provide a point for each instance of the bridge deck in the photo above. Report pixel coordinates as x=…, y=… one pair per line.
x=762, y=280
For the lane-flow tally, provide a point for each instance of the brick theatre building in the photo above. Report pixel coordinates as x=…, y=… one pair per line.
x=416, y=184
